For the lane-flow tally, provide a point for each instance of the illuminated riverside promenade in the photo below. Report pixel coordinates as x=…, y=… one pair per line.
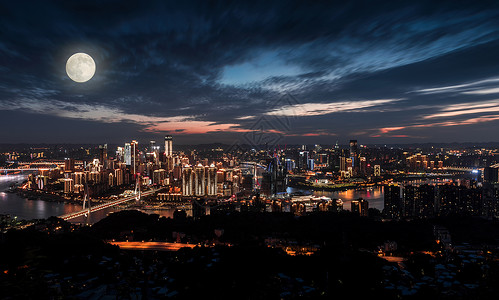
x=155, y=246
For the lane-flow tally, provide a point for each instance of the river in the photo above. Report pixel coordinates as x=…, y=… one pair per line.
x=374, y=195
x=15, y=205
x=22, y=208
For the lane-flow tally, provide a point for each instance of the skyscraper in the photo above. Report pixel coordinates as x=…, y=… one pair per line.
x=212, y=180
x=199, y=181
x=103, y=153
x=425, y=207
x=135, y=156
x=303, y=160
x=120, y=154
x=410, y=196
x=128, y=154
x=393, y=203
x=118, y=176
x=69, y=164
x=168, y=146
x=491, y=174
x=187, y=181
x=354, y=155
x=360, y=207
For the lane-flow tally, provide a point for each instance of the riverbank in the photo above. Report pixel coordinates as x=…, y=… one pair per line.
x=331, y=188
x=49, y=197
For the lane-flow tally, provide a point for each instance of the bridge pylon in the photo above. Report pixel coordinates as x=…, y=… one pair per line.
x=86, y=198
x=137, y=188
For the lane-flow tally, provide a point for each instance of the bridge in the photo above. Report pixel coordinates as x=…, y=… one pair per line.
x=464, y=169
x=86, y=211
x=19, y=169
x=252, y=164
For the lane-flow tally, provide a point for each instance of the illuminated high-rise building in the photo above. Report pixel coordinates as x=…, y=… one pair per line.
x=491, y=174
x=199, y=180
x=159, y=177
x=168, y=146
x=211, y=179
x=360, y=207
x=290, y=164
x=425, y=207
x=134, y=148
x=128, y=154
x=120, y=153
x=353, y=148
x=303, y=160
x=95, y=177
x=362, y=166
x=311, y=164
x=187, y=181
x=447, y=199
x=103, y=153
x=78, y=177
x=491, y=191
x=410, y=197
x=68, y=185
x=111, y=181
x=69, y=164
x=154, y=151
x=354, y=155
x=393, y=202
x=118, y=176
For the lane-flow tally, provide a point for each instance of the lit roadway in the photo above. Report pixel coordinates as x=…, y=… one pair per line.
x=103, y=206
x=155, y=246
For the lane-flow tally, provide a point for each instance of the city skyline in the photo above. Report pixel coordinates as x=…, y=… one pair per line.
x=381, y=73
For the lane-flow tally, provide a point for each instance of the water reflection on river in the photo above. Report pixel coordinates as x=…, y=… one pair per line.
x=13, y=204
x=22, y=208
x=374, y=195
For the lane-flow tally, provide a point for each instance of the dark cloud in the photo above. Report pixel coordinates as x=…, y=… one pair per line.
x=224, y=65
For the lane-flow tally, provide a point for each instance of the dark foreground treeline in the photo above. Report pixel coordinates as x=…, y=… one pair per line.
x=55, y=260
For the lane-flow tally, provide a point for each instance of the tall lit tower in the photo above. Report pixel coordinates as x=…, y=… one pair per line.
x=128, y=154
x=134, y=149
x=103, y=153
x=354, y=155
x=199, y=180
x=212, y=180
x=168, y=146
x=353, y=148
x=187, y=181
x=154, y=150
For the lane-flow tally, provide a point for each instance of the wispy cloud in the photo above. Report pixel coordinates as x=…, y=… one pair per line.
x=483, y=91
x=317, y=109
x=245, y=118
x=470, y=121
x=381, y=132
x=389, y=129
x=187, y=124
x=464, y=88
x=468, y=108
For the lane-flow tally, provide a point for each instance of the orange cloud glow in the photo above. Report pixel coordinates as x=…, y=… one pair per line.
x=193, y=127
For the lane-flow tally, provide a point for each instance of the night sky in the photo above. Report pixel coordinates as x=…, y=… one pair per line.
x=208, y=71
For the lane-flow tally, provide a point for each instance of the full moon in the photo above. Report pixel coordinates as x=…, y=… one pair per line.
x=80, y=67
